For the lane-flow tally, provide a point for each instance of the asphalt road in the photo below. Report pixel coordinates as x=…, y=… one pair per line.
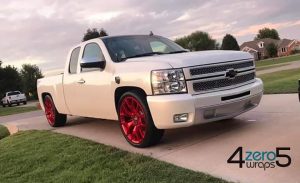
x=205, y=148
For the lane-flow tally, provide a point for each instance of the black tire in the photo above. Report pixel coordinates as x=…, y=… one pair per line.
x=3, y=105
x=59, y=119
x=18, y=103
x=152, y=134
x=24, y=103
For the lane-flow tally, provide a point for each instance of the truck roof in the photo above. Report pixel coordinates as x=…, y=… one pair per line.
x=118, y=36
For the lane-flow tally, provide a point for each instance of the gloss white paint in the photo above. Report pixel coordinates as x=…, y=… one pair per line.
x=96, y=97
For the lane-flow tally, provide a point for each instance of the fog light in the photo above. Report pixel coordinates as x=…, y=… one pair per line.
x=181, y=117
x=210, y=114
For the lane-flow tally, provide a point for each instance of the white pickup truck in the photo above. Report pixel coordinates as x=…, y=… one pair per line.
x=149, y=84
x=13, y=97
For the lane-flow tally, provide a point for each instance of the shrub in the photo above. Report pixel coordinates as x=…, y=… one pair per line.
x=3, y=132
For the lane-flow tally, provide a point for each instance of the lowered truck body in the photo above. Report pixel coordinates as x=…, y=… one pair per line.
x=149, y=84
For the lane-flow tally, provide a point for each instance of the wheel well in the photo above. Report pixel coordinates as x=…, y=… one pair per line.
x=121, y=90
x=45, y=94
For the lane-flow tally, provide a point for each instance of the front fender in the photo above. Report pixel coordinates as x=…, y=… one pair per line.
x=137, y=74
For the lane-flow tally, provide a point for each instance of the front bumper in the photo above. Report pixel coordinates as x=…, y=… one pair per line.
x=17, y=101
x=203, y=108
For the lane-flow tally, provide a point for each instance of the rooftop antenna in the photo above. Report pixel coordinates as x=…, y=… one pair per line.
x=151, y=33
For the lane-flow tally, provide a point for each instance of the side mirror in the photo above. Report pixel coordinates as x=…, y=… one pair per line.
x=92, y=63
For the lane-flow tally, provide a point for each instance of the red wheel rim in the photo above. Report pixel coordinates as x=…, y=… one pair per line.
x=132, y=119
x=49, y=111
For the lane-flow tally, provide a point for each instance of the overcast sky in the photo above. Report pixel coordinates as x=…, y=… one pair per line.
x=41, y=32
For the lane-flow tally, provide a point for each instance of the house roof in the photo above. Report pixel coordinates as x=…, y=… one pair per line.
x=254, y=44
x=284, y=43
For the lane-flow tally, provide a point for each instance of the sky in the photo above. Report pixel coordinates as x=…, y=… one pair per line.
x=41, y=32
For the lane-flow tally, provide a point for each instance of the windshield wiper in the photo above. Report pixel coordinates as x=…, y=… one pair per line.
x=143, y=55
x=180, y=51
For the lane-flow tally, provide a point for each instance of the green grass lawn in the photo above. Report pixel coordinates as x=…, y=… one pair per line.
x=278, y=60
x=271, y=67
x=4, y=111
x=3, y=132
x=281, y=82
x=45, y=156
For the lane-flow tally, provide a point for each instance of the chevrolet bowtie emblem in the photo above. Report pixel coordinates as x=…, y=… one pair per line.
x=231, y=73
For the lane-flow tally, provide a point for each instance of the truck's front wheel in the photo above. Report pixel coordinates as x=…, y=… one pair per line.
x=136, y=122
x=55, y=119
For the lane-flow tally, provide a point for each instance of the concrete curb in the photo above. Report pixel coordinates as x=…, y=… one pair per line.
x=12, y=128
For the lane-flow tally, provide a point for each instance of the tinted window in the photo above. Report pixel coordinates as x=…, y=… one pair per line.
x=158, y=46
x=74, y=60
x=93, y=52
x=127, y=46
x=13, y=93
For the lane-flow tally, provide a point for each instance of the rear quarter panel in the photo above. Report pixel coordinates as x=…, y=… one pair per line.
x=53, y=86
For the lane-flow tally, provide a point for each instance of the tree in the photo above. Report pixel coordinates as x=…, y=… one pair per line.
x=197, y=41
x=91, y=34
x=30, y=74
x=10, y=79
x=102, y=32
x=272, y=50
x=229, y=43
x=94, y=33
x=267, y=33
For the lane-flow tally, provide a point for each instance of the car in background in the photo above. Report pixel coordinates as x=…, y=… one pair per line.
x=13, y=97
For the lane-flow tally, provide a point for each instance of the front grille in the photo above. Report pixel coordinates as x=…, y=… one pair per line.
x=220, y=68
x=199, y=86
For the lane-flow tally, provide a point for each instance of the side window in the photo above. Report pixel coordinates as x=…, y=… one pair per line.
x=92, y=53
x=74, y=60
x=158, y=46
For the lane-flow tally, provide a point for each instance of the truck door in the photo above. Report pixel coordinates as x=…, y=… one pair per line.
x=88, y=92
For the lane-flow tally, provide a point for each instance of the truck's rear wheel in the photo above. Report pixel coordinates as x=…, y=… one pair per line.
x=55, y=119
x=136, y=122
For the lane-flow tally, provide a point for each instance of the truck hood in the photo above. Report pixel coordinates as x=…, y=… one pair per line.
x=194, y=58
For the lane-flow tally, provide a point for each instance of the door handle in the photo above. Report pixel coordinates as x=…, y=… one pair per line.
x=81, y=81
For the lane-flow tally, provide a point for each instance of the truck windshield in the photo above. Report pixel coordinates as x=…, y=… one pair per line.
x=121, y=48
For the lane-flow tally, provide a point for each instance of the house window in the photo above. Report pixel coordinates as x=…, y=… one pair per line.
x=261, y=44
x=283, y=50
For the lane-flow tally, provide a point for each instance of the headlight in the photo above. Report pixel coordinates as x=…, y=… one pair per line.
x=168, y=81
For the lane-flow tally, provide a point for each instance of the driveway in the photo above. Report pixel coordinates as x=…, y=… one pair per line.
x=205, y=148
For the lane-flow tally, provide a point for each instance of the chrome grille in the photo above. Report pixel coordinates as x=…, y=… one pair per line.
x=220, y=68
x=215, y=77
x=221, y=83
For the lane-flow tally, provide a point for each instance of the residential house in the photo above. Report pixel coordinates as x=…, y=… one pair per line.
x=258, y=49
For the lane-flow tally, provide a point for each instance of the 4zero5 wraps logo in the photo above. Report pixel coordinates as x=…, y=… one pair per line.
x=261, y=159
